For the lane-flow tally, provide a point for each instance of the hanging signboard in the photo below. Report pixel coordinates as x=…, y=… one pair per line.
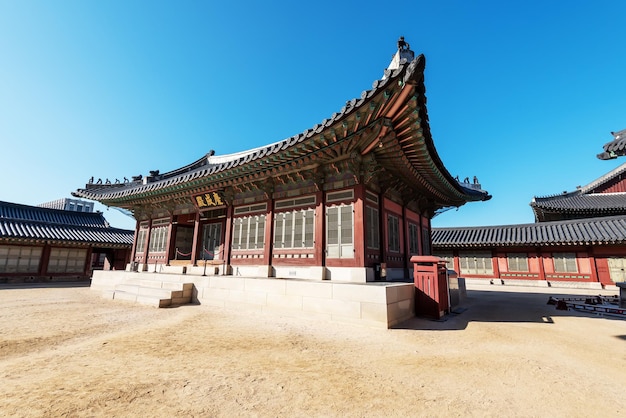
x=208, y=200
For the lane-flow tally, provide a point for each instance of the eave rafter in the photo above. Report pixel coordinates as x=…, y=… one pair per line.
x=389, y=123
x=285, y=166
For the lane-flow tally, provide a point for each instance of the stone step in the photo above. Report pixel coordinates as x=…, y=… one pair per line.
x=159, y=283
x=181, y=301
x=121, y=295
x=177, y=286
x=158, y=293
x=155, y=301
x=150, y=291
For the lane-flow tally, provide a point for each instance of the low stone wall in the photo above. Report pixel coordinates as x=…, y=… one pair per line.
x=312, y=273
x=534, y=283
x=379, y=304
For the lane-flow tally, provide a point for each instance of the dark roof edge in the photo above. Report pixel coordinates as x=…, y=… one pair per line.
x=584, y=189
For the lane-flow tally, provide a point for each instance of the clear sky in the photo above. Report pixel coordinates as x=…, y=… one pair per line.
x=521, y=94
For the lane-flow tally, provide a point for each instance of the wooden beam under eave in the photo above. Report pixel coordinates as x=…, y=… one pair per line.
x=369, y=115
x=356, y=125
x=400, y=101
x=403, y=124
x=406, y=139
x=406, y=131
x=329, y=153
x=383, y=130
x=303, y=150
x=388, y=96
x=405, y=110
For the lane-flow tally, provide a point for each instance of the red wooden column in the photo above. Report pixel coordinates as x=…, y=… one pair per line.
x=359, y=222
x=196, y=238
x=320, y=228
x=407, y=250
x=542, y=269
x=45, y=259
x=87, y=268
x=457, y=261
x=592, y=265
x=134, y=248
x=228, y=233
x=268, y=248
x=168, y=248
x=496, y=265
x=382, y=233
x=429, y=227
x=146, y=250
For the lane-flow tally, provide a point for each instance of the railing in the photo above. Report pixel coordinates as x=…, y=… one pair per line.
x=206, y=252
x=182, y=255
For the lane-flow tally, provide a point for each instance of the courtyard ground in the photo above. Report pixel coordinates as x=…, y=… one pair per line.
x=67, y=352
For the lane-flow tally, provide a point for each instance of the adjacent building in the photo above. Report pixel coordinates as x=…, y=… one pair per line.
x=578, y=237
x=74, y=205
x=40, y=244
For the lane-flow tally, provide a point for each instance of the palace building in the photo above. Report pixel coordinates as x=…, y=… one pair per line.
x=348, y=199
x=578, y=239
x=44, y=245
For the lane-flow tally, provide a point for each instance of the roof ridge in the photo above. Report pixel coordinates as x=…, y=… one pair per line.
x=603, y=179
x=10, y=211
x=572, y=232
x=538, y=224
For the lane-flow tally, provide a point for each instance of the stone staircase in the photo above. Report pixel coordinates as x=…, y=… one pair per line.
x=157, y=292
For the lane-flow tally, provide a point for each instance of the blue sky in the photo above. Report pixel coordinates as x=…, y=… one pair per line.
x=521, y=94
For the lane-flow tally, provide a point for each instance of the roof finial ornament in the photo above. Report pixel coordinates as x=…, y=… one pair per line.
x=403, y=45
x=402, y=56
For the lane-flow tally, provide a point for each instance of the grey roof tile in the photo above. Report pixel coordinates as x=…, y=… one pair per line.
x=615, y=148
x=584, y=202
x=33, y=223
x=589, y=231
x=601, y=197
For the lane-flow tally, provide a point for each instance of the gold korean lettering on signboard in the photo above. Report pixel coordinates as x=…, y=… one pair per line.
x=210, y=199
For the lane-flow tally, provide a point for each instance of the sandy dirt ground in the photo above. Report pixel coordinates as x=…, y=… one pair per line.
x=67, y=352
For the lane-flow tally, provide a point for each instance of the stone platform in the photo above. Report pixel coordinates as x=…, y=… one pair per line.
x=374, y=304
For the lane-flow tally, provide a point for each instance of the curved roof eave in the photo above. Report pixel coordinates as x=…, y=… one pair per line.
x=414, y=74
x=396, y=79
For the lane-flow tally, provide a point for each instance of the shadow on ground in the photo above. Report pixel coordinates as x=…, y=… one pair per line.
x=501, y=306
x=44, y=285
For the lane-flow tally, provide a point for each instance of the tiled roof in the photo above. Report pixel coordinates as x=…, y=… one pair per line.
x=32, y=223
x=603, y=180
x=364, y=112
x=597, y=202
x=615, y=148
x=585, y=201
x=590, y=231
